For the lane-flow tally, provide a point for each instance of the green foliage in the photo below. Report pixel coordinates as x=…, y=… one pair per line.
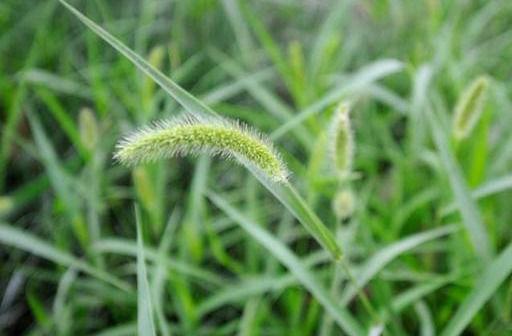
x=470, y=107
x=394, y=220
x=145, y=322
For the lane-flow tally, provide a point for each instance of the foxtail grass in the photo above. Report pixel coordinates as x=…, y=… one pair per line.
x=341, y=139
x=187, y=135
x=469, y=108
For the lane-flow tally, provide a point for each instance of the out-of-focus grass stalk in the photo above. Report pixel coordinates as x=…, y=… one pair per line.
x=469, y=108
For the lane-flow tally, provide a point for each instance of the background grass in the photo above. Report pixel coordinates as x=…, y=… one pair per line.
x=429, y=241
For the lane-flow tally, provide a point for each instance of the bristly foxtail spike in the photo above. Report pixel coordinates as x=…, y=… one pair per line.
x=187, y=135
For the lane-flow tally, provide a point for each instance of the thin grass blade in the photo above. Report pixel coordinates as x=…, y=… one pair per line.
x=342, y=316
x=489, y=188
x=382, y=258
x=129, y=248
x=194, y=106
x=360, y=80
x=145, y=323
x=188, y=101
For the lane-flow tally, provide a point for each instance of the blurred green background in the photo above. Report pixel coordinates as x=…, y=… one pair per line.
x=428, y=239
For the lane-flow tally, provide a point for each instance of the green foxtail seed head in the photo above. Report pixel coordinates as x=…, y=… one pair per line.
x=343, y=204
x=187, y=135
x=341, y=142
x=469, y=108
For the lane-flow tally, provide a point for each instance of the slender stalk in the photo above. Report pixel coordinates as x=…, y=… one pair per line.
x=327, y=321
x=360, y=293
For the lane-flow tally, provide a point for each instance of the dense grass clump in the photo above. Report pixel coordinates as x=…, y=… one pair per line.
x=386, y=216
